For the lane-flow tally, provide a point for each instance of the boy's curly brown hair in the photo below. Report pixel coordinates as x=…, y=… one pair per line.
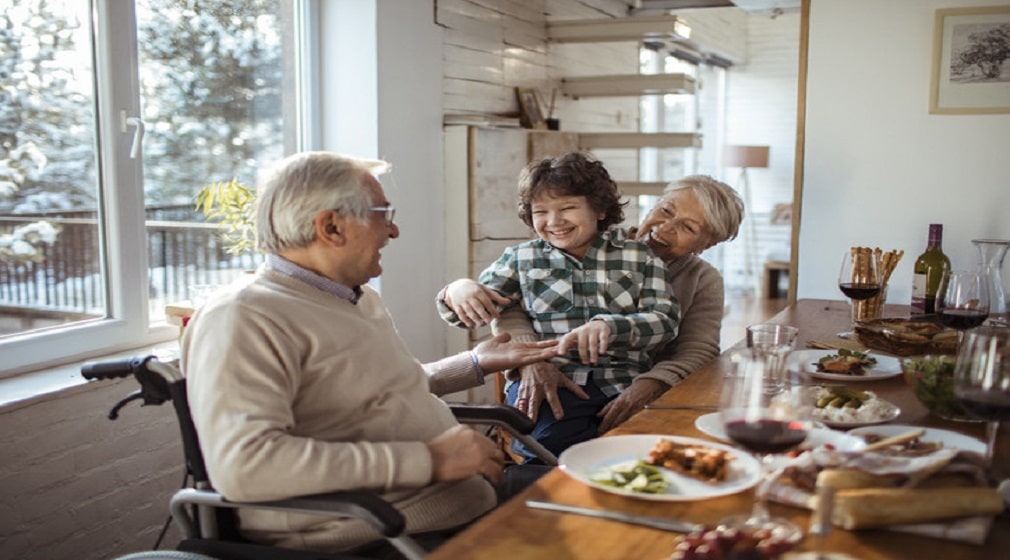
x=571, y=174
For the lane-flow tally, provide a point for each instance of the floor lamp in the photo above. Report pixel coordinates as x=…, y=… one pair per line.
x=747, y=157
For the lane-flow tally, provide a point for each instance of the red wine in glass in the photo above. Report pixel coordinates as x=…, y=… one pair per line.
x=962, y=319
x=993, y=406
x=859, y=291
x=767, y=435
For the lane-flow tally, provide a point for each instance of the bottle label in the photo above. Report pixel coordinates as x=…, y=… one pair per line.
x=921, y=301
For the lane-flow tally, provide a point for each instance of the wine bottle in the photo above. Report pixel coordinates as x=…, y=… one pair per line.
x=928, y=271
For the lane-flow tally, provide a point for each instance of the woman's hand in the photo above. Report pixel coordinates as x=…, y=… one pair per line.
x=474, y=304
x=541, y=381
x=642, y=391
x=592, y=340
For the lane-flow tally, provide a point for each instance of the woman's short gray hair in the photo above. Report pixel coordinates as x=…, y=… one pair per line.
x=293, y=190
x=722, y=205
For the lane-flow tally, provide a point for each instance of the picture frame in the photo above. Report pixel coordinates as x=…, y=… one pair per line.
x=966, y=80
x=530, y=115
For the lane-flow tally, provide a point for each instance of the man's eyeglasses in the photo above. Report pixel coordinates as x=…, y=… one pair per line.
x=389, y=211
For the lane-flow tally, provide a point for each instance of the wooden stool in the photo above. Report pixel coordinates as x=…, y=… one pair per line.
x=774, y=270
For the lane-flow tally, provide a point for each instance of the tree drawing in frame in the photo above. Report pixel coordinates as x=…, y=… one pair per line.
x=529, y=109
x=971, y=61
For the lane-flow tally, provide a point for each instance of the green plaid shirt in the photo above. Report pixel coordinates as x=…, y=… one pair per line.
x=619, y=281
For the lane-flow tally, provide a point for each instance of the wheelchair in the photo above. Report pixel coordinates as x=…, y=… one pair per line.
x=208, y=521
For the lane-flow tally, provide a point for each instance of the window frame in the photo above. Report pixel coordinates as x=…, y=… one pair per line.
x=121, y=216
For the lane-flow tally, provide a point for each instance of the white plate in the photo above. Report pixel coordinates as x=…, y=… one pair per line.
x=886, y=412
x=885, y=368
x=947, y=437
x=711, y=425
x=583, y=460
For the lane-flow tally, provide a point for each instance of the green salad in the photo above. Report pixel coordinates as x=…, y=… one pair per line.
x=640, y=477
x=932, y=381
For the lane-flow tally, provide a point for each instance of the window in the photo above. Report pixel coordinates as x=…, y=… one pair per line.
x=114, y=116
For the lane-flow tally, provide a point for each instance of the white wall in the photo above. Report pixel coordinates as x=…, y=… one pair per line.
x=878, y=167
x=386, y=102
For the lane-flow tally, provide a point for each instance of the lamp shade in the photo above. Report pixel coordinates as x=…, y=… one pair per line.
x=746, y=156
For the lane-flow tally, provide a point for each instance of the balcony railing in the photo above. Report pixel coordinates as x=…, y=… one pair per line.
x=66, y=283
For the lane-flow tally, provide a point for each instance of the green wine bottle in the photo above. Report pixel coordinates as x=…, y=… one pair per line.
x=928, y=271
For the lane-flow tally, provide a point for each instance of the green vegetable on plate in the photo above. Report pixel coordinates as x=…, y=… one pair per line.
x=641, y=477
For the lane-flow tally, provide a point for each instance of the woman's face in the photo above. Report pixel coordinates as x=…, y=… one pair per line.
x=676, y=226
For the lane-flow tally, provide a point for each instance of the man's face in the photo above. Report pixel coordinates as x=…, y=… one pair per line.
x=676, y=226
x=366, y=239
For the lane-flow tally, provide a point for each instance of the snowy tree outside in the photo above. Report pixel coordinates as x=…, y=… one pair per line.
x=213, y=94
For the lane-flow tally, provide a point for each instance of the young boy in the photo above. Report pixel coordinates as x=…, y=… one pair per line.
x=605, y=296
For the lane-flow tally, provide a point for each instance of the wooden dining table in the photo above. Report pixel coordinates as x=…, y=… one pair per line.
x=514, y=530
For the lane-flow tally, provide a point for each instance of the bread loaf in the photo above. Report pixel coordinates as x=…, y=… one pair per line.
x=878, y=507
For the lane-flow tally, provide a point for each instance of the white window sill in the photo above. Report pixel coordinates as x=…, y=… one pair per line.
x=26, y=389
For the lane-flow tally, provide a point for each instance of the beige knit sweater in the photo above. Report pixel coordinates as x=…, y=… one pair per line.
x=295, y=391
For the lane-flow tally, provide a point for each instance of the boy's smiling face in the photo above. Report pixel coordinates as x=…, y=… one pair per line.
x=566, y=222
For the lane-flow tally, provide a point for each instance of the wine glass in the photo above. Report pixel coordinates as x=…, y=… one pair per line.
x=962, y=300
x=764, y=424
x=982, y=379
x=859, y=278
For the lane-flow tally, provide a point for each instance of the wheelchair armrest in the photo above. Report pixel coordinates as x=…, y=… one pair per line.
x=363, y=505
x=498, y=414
x=507, y=417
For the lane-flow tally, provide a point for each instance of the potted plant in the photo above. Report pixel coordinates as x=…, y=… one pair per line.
x=231, y=205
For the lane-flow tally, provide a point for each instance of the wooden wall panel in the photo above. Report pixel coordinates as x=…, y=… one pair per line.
x=496, y=157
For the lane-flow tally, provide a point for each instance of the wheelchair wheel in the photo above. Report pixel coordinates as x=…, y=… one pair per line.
x=165, y=555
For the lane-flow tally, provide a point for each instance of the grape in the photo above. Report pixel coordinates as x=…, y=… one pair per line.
x=729, y=543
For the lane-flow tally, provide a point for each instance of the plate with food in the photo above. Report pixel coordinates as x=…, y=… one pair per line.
x=840, y=406
x=848, y=365
x=660, y=467
x=711, y=425
x=928, y=441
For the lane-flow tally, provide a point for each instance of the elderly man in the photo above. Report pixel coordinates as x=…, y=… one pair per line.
x=299, y=382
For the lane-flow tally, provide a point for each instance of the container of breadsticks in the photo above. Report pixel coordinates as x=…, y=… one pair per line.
x=870, y=309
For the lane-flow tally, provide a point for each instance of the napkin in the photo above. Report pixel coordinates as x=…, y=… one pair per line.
x=972, y=530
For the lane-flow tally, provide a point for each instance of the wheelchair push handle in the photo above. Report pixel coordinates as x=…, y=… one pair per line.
x=157, y=379
x=114, y=369
x=141, y=366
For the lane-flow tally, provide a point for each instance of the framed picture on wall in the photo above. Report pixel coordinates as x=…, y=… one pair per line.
x=971, y=61
x=529, y=109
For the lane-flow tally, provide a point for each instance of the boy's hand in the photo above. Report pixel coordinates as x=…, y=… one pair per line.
x=592, y=340
x=473, y=303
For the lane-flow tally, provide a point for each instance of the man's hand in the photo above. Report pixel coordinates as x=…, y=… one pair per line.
x=592, y=340
x=641, y=392
x=542, y=381
x=498, y=353
x=473, y=303
x=461, y=452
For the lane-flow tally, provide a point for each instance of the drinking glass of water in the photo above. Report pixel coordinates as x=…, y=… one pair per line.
x=771, y=343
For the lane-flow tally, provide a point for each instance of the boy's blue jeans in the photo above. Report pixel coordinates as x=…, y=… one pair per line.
x=579, y=423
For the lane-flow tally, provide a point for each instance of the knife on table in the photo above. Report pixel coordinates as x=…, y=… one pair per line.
x=662, y=523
